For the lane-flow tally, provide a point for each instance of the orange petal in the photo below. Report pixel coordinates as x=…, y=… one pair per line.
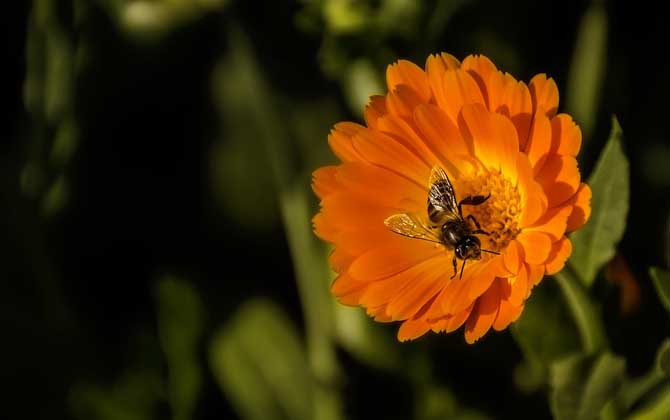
x=347, y=290
x=436, y=66
x=398, y=128
x=544, y=93
x=407, y=73
x=454, y=322
x=347, y=210
x=493, y=137
x=389, y=259
x=539, y=142
x=481, y=283
x=455, y=296
x=535, y=273
x=482, y=317
x=442, y=135
x=553, y=222
x=581, y=210
x=323, y=228
x=480, y=68
x=374, y=109
x=519, y=287
x=460, y=89
x=534, y=202
x=341, y=143
x=324, y=182
x=559, y=178
x=566, y=135
x=402, y=100
x=380, y=186
x=424, y=288
x=340, y=260
x=513, y=257
x=388, y=153
x=536, y=246
x=507, y=314
x=560, y=252
x=412, y=329
x=378, y=313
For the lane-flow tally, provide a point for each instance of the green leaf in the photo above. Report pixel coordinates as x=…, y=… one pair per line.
x=587, y=68
x=661, y=279
x=544, y=311
x=657, y=407
x=663, y=358
x=261, y=364
x=582, y=385
x=180, y=328
x=595, y=244
x=637, y=388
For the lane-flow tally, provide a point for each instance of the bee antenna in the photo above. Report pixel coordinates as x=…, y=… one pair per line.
x=491, y=252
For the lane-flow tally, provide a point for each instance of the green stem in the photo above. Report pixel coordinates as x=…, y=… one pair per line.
x=587, y=318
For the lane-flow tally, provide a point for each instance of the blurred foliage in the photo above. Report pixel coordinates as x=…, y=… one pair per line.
x=595, y=244
x=280, y=74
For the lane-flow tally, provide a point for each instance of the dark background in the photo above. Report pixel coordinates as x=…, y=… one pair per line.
x=77, y=285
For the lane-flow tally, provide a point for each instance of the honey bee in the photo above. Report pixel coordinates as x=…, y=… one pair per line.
x=445, y=223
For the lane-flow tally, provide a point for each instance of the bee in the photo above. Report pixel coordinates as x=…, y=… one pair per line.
x=445, y=222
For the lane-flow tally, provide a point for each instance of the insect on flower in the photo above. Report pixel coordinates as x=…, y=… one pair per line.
x=458, y=162
x=446, y=223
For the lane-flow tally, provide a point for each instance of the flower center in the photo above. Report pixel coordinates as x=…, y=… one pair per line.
x=499, y=215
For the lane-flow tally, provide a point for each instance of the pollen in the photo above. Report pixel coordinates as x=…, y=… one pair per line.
x=500, y=214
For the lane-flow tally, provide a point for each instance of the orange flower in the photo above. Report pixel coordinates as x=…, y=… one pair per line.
x=492, y=135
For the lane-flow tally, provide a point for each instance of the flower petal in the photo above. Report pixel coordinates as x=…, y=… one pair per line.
x=507, y=314
x=566, y=135
x=461, y=89
x=559, y=178
x=412, y=329
x=408, y=303
x=534, y=201
x=535, y=273
x=324, y=182
x=436, y=67
x=340, y=141
x=375, y=109
x=407, y=73
x=480, y=68
x=553, y=222
x=483, y=315
x=560, y=252
x=513, y=257
x=544, y=93
x=493, y=138
x=581, y=209
x=402, y=100
x=519, y=287
x=347, y=289
x=539, y=142
x=536, y=246
x=389, y=259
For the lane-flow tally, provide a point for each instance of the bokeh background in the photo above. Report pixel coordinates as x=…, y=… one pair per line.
x=156, y=258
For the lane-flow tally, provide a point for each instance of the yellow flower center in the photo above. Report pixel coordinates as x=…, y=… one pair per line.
x=499, y=215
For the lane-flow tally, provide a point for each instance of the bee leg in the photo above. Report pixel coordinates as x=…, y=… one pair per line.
x=479, y=227
x=463, y=268
x=453, y=261
x=472, y=200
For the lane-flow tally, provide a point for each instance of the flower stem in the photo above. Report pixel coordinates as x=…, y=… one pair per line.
x=585, y=314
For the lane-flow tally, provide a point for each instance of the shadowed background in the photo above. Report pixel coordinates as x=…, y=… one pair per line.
x=155, y=155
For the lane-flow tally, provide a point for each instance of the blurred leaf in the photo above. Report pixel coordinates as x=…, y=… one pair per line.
x=663, y=358
x=361, y=82
x=437, y=403
x=661, y=280
x=596, y=242
x=656, y=408
x=345, y=16
x=261, y=365
x=56, y=197
x=365, y=340
x=133, y=397
x=149, y=20
x=543, y=312
x=586, y=71
x=637, y=388
x=180, y=329
x=582, y=385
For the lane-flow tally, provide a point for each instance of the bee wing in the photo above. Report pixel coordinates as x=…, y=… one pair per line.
x=441, y=194
x=410, y=225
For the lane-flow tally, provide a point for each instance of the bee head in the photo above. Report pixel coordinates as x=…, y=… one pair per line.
x=469, y=248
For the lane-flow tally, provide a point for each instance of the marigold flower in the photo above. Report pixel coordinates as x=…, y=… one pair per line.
x=491, y=134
